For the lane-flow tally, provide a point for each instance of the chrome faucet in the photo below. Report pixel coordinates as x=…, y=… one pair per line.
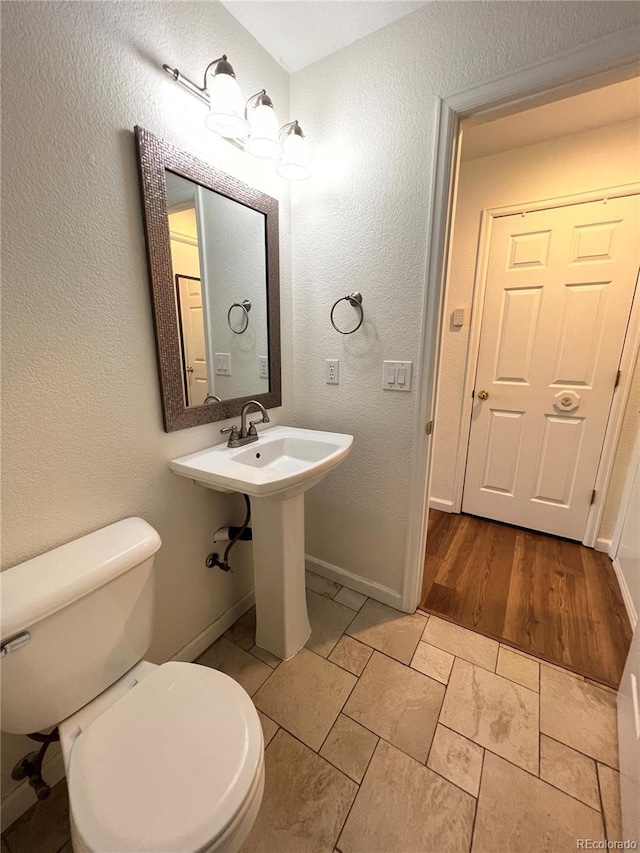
x=238, y=438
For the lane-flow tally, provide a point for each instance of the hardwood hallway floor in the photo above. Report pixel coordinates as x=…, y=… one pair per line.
x=550, y=597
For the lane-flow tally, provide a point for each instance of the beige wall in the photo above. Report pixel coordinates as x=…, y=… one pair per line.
x=578, y=163
x=361, y=222
x=83, y=443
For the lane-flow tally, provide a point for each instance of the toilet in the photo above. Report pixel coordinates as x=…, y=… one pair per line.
x=163, y=758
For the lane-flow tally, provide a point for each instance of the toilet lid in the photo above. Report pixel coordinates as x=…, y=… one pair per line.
x=168, y=766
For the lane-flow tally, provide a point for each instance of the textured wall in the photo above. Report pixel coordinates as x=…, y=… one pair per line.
x=361, y=222
x=83, y=440
x=581, y=162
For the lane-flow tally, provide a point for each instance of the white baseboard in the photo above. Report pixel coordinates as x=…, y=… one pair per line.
x=199, y=644
x=442, y=505
x=23, y=797
x=626, y=595
x=356, y=582
x=602, y=544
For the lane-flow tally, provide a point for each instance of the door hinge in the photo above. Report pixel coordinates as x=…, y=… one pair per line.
x=617, y=382
x=429, y=428
x=593, y=498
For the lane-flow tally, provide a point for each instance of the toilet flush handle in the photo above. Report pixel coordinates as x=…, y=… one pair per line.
x=14, y=643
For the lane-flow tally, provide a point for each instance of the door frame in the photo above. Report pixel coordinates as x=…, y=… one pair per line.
x=631, y=346
x=616, y=538
x=608, y=59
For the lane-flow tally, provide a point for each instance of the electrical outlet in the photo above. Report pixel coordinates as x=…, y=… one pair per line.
x=332, y=371
x=263, y=367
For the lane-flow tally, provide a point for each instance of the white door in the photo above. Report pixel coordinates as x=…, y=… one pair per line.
x=192, y=323
x=560, y=284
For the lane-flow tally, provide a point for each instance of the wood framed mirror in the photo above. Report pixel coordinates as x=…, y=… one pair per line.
x=212, y=250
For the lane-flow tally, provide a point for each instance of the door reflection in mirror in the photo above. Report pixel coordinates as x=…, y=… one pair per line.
x=218, y=255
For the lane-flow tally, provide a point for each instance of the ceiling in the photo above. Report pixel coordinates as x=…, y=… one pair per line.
x=596, y=108
x=299, y=32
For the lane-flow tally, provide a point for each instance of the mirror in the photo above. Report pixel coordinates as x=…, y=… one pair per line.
x=212, y=245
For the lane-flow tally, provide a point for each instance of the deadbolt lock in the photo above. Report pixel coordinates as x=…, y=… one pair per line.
x=483, y=395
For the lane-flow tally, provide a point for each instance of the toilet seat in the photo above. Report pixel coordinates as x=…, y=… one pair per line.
x=169, y=767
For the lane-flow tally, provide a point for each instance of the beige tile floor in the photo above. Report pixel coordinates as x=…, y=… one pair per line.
x=406, y=734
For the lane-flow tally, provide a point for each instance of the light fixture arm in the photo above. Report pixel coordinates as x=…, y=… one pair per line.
x=200, y=92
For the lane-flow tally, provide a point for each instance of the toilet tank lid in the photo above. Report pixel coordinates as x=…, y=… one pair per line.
x=38, y=588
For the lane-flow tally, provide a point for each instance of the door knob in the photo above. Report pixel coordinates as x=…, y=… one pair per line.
x=189, y=369
x=483, y=395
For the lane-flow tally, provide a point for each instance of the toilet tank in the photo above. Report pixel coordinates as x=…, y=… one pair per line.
x=73, y=621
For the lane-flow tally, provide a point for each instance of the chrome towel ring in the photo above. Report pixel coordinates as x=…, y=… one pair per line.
x=354, y=299
x=246, y=307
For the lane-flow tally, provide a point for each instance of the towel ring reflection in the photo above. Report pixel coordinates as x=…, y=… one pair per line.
x=246, y=307
x=354, y=299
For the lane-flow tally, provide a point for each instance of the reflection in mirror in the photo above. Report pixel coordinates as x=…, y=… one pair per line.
x=212, y=248
x=219, y=269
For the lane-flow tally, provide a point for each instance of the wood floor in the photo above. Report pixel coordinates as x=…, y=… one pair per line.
x=550, y=597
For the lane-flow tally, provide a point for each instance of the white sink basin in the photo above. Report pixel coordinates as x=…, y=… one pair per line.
x=274, y=471
x=284, y=461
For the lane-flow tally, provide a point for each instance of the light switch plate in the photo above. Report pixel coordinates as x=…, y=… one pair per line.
x=396, y=375
x=263, y=366
x=332, y=371
x=223, y=363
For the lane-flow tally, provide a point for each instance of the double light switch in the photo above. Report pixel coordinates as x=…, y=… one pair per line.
x=396, y=375
x=222, y=363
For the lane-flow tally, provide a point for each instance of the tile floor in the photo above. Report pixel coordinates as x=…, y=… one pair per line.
x=406, y=734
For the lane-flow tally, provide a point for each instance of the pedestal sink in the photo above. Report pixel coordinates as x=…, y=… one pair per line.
x=274, y=471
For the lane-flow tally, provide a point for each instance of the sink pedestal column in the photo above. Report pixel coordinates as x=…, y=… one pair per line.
x=282, y=622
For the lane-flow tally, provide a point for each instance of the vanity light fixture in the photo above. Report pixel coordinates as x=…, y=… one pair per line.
x=251, y=125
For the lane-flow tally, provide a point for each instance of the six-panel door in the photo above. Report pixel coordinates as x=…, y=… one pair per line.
x=560, y=284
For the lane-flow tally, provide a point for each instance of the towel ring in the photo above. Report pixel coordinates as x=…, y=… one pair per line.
x=354, y=299
x=246, y=307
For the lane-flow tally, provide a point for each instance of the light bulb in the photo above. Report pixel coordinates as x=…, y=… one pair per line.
x=293, y=165
x=263, y=138
x=226, y=105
